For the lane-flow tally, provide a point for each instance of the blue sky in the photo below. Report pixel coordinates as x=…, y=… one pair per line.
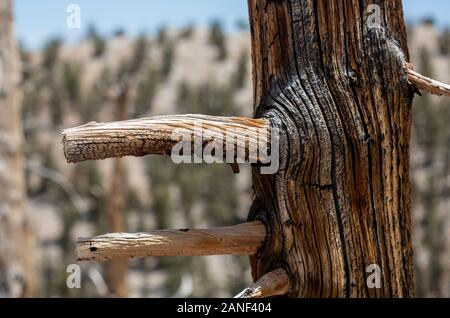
x=37, y=21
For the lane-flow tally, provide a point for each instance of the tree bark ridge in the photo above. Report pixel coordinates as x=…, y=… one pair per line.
x=338, y=91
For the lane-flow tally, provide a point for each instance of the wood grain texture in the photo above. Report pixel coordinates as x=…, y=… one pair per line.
x=243, y=239
x=338, y=91
x=96, y=141
x=428, y=84
x=275, y=283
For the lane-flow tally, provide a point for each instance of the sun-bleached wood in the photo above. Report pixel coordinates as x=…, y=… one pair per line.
x=427, y=84
x=242, y=239
x=140, y=137
x=274, y=283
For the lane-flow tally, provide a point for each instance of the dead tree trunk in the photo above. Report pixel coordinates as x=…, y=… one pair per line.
x=334, y=82
x=16, y=240
x=116, y=270
x=332, y=77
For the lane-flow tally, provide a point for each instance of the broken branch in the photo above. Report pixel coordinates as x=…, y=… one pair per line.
x=158, y=135
x=275, y=283
x=243, y=239
x=427, y=84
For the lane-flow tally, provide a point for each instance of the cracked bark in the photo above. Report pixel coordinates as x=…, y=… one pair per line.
x=155, y=136
x=338, y=91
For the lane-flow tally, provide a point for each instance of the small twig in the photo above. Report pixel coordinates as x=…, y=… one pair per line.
x=243, y=239
x=275, y=283
x=98, y=281
x=59, y=179
x=427, y=84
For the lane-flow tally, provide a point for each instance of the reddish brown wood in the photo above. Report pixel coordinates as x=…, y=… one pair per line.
x=337, y=88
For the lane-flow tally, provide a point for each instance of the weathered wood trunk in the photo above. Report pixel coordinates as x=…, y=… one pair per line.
x=16, y=240
x=116, y=270
x=333, y=81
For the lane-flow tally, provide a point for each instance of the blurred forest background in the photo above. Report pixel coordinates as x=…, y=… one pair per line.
x=187, y=70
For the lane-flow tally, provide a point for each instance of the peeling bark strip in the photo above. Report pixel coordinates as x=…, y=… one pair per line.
x=338, y=90
x=155, y=136
x=275, y=283
x=243, y=239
